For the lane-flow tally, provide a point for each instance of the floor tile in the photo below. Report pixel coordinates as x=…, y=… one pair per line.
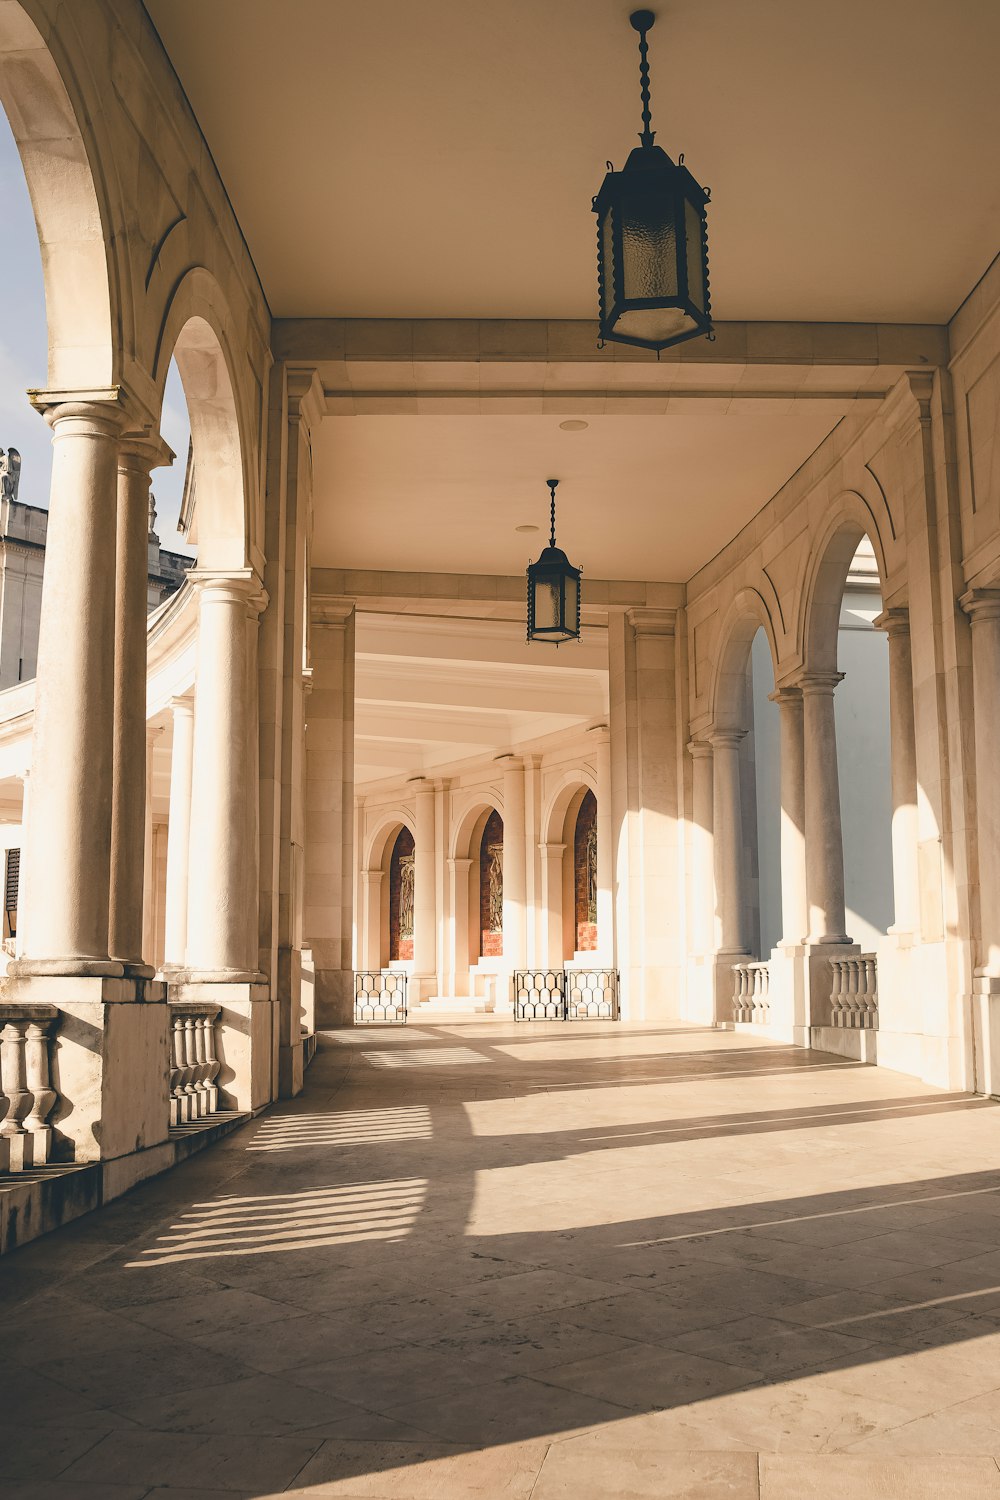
x=834, y=1477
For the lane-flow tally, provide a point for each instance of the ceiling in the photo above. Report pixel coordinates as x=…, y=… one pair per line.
x=438, y=159
x=640, y=497
x=427, y=695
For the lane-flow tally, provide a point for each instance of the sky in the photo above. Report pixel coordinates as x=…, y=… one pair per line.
x=23, y=359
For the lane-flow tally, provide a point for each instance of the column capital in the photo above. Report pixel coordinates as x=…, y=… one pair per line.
x=140, y=453
x=108, y=404
x=817, y=683
x=181, y=706
x=599, y=731
x=727, y=738
x=552, y=849
x=649, y=621
x=700, y=749
x=236, y=586
x=331, y=610
x=894, y=621
x=305, y=395
x=373, y=876
x=459, y=864
x=981, y=604
x=789, y=694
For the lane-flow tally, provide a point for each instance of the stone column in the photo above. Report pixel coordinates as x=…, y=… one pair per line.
x=68, y=857
x=329, y=810
x=514, y=884
x=130, y=846
x=824, y=839
x=424, y=906
x=148, y=870
x=702, y=844
x=903, y=746
x=441, y=789
x=371, y=919
x=605, y=853
x=22, y=895
x=644, y=753
x=459, y=945
x=983, y=608
x=221, y=844
x=179, y=834
x=794, y=902
x=552, y=904
x=730, y=870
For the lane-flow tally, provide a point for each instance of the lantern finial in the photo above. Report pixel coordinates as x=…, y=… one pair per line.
x=642, y=22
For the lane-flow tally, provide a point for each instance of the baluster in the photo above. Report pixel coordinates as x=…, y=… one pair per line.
x=177, y=1070
x=43, y=1096
x=190, y=1068
x=198, y=1044
x=13, y=1080
x=213, y=1065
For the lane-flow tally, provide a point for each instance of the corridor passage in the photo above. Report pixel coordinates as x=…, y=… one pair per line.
x=483, y=1259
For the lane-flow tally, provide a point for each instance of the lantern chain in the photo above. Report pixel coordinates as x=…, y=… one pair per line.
x=552, y=514
x=642, y=20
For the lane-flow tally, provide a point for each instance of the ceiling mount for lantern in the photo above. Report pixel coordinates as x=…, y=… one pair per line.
x=553, y=590
x=652, y=244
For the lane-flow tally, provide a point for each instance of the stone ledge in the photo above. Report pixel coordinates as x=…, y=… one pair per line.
x=34, y=1202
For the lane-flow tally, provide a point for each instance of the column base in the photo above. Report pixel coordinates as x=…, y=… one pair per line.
x=986, y=1026
x=82, y=968
x=334, y=997
x=244, y=1035
x=110, y=1050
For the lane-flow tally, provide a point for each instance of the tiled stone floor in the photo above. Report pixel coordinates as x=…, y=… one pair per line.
x=491, y=1260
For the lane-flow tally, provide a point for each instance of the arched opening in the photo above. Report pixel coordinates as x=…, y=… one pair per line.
x=209, y=489
x=864, y=759
x=401, y=895
x=490, y=888
x=745, y=797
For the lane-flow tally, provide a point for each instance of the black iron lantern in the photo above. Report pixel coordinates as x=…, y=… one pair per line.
x=553, y=590
x=652, y=245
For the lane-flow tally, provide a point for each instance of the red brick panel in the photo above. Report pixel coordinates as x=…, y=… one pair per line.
x=490, y=923
x=399, y=947
x=585, y=874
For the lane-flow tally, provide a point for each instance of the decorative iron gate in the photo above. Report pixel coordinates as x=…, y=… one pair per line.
x=379, y=997
x=539, y=995
x=592, y=994
x=566, y=995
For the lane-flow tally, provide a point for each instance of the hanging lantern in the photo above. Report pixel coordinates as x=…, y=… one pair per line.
x=553, y=590
x=652, y=245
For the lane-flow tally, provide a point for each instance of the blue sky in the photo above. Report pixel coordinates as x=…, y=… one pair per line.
x=23, y=358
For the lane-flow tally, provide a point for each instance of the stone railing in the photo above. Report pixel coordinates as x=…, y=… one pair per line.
x=854, y=997
x=380, y=997
x=750, y=993
x=194, y=1061
x=26, y=1092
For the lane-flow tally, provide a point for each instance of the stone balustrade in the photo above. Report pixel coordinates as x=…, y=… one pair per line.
x=26, y=1092
x=750, y=993
x=854, y=997
x=195, y=1065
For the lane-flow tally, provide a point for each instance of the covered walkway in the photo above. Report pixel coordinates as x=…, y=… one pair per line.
x=482, y=1259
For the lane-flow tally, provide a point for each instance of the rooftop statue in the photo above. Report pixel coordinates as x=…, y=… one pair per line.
x=10, y=473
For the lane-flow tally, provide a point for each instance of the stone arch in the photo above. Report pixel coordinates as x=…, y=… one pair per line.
x=379, y=843
x=823, y=588
x=195, y=334
x=570, y=789
x=467, y=826
x=747, y=614
x=81, y=293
